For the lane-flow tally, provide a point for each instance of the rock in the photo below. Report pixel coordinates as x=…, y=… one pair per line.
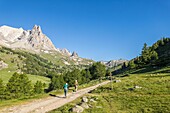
x=92, y=100
x=117, y=81
x=90, y=106
x=3, y=65
x=137, y=87
x=84, y=99
x=84, y=105
x=99, y=107
x=77, y=109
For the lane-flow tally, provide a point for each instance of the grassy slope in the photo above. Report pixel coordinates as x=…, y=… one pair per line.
x=153, y=97
x=5, y=74
x=58, y=59
x=55, y=58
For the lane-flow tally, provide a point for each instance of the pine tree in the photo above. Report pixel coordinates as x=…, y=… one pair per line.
x=70, y=77
x=145, y=54
x=57, y=82
x=124, y=66
x=38, y=87
x=86, y=76
x=54, y=84
x=131, y=64
x=19, y=85
x=98, y=70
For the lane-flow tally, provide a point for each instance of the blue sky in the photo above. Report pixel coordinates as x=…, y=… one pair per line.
x=95, y=29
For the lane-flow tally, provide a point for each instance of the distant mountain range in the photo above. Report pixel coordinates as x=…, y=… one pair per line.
x=113, y=63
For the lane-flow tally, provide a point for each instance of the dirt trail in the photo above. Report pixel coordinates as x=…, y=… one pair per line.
x=48, y=104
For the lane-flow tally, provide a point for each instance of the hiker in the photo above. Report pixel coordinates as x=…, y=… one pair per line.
x=76, y=85
x=65, y=89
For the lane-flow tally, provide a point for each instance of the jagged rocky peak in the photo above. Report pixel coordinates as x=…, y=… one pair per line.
x=36, y=28
x=33, y=40
x=74, y=54
x=65, y=52
x=25, y=39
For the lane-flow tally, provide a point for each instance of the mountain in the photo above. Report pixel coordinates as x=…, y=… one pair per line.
x=113, y=63
x=30, y=40
x=35, y=41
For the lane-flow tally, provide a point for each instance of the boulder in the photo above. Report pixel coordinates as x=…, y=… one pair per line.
x=92, y=100
x=84, y=99
x=77, y=109
x=137, y=87
x=84, y=105
x=99, y=107
x=3, y=65
x=117, y=81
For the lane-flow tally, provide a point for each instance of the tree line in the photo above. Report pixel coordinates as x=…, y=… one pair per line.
x=19, y=86
x=96, y=71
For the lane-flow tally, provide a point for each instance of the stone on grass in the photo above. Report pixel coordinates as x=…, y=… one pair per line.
x=137, y=87
x=84, y=99
x=77, y=109
x=84, y=105
x=117, y=81
x=92, y=100
x=99, y=107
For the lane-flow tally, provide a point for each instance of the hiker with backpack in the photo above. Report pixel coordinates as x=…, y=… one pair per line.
x=76, y=85
x=65, y=89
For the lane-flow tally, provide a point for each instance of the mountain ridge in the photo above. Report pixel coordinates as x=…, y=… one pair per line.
x=34, y=40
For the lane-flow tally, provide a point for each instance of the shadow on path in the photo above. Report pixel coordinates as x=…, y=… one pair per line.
x=56, y=96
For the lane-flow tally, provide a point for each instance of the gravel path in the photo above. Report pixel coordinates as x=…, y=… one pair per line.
x=50, y=103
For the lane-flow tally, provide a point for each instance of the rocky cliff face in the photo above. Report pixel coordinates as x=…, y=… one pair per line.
x=33, y=40
x=74, y=54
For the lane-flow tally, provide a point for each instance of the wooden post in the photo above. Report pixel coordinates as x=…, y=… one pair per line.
x=111, y=84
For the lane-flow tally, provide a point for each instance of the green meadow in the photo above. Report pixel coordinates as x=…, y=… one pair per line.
x=147, y=92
